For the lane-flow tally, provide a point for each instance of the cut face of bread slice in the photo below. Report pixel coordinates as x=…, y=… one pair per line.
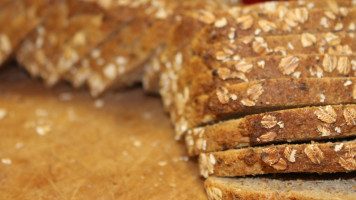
x=300, y=124
x=287, y=158
x=268, y=188
x=18, y=19
x=225, y=43
x=321, y=43
x=211, y=74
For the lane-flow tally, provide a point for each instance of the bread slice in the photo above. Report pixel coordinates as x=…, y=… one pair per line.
x=211, y=74
x=269, y=188
x=300, y=124
x=18, y=19
x=307, y=158
x=70, y=32
x=111, y=60
x=319, y=43
x=291, y=20
x=277, y=17
x=227, y=30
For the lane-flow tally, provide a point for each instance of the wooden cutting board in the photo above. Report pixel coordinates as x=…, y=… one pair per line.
x=60, y=143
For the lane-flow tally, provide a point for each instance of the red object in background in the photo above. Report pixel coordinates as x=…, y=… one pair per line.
x=252, y=1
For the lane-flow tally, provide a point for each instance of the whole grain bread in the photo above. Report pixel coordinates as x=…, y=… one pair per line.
x=261, y=96
x=230, y=26
x=271, y=13
x=208, y=75
x=70, y=32
x=180, y=85
x=226, y=30
x=258, y=68
x=268, y=188
x=217, y=46
x=276, y=93
x=190, y=17
x=300, y=124
x=287, y=158
x=218, y=43
x=18, y=19
x=154, y=32
x=189, y=24
x=112, y=59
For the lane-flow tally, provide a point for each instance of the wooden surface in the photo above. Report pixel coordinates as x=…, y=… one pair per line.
x=60, y=144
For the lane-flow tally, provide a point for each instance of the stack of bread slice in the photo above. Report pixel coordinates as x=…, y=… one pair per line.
x=68, y=41
x=101, y=47
x=229, y=71
x=269, y=91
